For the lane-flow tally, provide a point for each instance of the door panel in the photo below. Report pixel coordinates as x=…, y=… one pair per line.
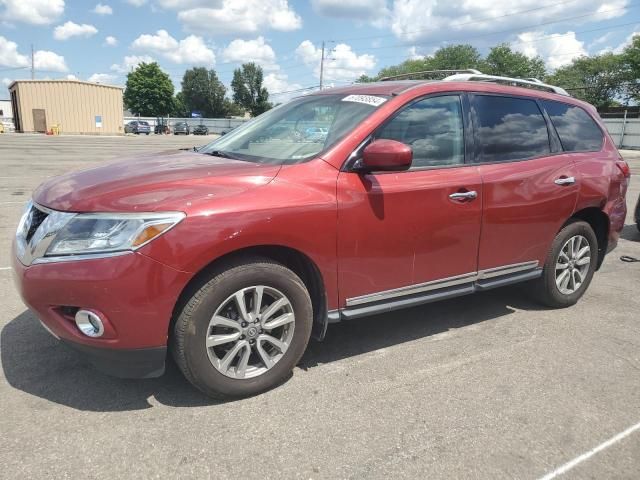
x=524, y=209
x=401, y=229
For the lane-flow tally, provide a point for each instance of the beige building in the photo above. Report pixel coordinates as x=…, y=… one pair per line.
x=74, y=106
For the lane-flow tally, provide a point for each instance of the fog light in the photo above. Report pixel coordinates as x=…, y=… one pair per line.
x=89, y=323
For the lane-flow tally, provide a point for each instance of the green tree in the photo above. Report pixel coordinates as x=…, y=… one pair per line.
x=631, y=65
x=503, y=61
x=203, y=92
x=455, y=57
x=599, y=80
x=148, y=91
x=452, y=57
x=179, y=109
x=232, y=109
x=248, y=91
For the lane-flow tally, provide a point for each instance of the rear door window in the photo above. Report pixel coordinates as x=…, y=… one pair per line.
x=578, y=132
x=509, y=128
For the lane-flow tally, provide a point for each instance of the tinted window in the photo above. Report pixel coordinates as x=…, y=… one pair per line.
x=576, y=129
x=432, y=128
x=509, y=128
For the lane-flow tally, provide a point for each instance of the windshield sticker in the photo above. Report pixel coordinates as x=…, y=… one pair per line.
x=368, y=99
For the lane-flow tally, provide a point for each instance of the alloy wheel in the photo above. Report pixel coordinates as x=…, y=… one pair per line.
x=572, y=264
x=250, y=332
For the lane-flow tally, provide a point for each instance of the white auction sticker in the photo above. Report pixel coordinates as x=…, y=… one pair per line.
x=368, y=99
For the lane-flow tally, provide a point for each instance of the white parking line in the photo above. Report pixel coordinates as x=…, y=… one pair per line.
x=12, y=203
x=5, y=268
x=569, y=465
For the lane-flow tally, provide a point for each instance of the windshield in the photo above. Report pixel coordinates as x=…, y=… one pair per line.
x=144, y=123
x=296, y=131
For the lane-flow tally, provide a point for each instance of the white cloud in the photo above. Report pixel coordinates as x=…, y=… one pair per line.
x=35, y=12
x=413, y=54
x=130, y=62
x=42, y=59
x=71, y=29
x=9, y=56
x=341, y=63
x=111, y=41
x=191, y=50
x=257, y=51
x=102, y=78
x=184, y=4
x=278, y=83
x=71, y=76
x=136, y=3
x=48, y=61
x=375, y=11
x=414, y=20
x=6, y=81
x=239, y=17
x=627, y=41
x=556, y=49
x=101, y=9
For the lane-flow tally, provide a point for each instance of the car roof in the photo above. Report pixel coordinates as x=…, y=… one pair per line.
x=375, y=88
x=420, y=87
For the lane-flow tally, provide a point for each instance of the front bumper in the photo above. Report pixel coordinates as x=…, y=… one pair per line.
x=133, y=294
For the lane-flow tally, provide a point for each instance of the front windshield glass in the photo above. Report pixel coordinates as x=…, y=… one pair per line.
x=296, y=131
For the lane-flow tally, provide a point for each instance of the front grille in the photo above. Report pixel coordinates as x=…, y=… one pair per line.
x=36, y=217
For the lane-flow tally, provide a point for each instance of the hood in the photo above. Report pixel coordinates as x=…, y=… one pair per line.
x=166, y=181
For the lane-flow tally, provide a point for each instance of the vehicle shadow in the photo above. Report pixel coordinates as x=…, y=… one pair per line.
x=36, y=363
x=630, y=232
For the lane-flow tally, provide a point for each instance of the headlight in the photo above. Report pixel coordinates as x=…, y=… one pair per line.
x=88, y=233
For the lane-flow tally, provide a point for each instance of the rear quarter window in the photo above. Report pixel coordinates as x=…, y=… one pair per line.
x=578, y=132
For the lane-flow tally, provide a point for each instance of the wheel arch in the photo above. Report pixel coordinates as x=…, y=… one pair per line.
x=599, y=222
x=300, y=263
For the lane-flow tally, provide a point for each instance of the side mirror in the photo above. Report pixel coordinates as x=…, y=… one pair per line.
x=386, y=155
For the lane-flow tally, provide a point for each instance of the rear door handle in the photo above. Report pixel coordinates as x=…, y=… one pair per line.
x=471, y=195
x=565, y=181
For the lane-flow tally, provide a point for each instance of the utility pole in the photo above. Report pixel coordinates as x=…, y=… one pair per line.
x=33, y=73
x=322, y=65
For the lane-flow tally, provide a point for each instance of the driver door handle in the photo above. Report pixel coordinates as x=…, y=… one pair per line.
x=565, y=181
x=470, y=195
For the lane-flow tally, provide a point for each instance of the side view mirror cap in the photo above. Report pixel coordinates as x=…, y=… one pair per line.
x=386, y=155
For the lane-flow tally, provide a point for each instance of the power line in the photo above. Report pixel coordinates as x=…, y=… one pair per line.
x=481, y=20
x=536, y=39
x=511, y=30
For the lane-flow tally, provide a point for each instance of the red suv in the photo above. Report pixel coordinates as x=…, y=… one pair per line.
x=337, y=205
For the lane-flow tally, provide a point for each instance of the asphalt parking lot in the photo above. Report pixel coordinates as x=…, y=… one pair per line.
x=487, y=386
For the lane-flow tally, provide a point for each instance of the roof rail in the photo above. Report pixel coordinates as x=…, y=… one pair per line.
x=429, y=72
x=516, y=82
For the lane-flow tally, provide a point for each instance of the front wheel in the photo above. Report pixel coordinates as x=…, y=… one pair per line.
x=569, y=267
x=243, y=331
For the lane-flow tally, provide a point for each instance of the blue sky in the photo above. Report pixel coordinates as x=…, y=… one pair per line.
x=102, y=40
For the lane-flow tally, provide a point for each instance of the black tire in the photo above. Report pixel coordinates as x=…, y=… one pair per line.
x=544, y=289
x=191, y=326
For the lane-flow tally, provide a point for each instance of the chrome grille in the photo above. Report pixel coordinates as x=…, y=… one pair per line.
x=34, y=220
x=36, y=231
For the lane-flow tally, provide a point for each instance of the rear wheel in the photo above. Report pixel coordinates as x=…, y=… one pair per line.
x=569, y=267
x=243, y=330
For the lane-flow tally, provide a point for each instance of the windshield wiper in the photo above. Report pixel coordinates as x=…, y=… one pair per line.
x=220, y=153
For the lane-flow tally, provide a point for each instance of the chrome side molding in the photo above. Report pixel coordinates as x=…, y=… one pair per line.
x=470, y=277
